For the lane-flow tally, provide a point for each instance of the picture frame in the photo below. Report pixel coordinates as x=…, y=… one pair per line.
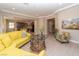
x=71, y=24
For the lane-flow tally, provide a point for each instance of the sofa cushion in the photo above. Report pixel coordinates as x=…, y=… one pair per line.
x=19, y=34
x=5, y=40
x=1, y=46
x=24, y=34
x=13, y=35
x=12, y=51
x=19, y=42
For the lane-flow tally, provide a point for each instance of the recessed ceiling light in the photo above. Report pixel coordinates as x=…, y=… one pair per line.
x=60, y=3
x=13, y=8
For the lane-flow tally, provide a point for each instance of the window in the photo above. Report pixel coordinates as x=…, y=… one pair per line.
x=11, y=25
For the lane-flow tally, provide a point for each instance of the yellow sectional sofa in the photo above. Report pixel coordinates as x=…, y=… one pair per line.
x=10, y=43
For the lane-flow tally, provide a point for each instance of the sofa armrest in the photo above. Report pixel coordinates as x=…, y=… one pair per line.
x=20, y=42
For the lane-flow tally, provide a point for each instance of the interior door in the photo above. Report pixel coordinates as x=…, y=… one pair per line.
x=51, y=26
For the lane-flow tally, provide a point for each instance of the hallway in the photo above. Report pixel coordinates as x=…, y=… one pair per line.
x=55, y=48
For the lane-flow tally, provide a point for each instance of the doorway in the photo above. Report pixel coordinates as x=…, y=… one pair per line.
x=28, y=25
x=51, y=26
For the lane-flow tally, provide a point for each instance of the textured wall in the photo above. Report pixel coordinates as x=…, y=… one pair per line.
x=41, y=25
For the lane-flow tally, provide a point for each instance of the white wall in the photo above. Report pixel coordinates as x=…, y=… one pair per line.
x=1, y=24
x=69, y=14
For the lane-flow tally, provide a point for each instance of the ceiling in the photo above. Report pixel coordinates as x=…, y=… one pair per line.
x=30, y=10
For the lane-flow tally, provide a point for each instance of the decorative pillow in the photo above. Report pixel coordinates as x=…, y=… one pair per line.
x=1, y=46
x=23, y=34
x=6, y=40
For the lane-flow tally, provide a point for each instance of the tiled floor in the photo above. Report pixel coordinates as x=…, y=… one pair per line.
x=55, y=48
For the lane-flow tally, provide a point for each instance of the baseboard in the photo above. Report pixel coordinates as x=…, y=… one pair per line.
x=74, y=41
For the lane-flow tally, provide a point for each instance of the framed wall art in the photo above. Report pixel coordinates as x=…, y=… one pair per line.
x=71, y=24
